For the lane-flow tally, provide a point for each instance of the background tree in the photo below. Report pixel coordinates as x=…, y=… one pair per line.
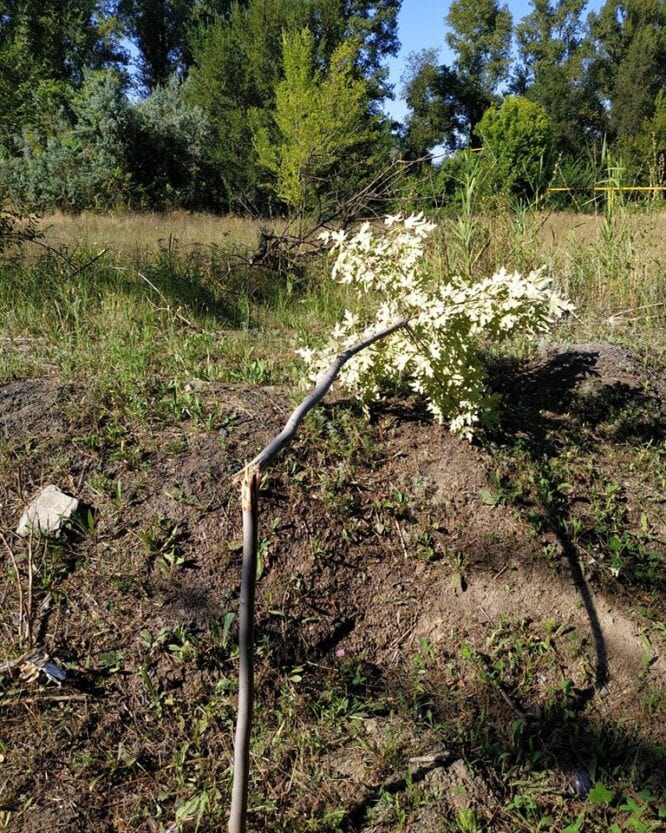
x=517, y=146
x=84, y=164
x=238, y=64
x=50, y=43
x=446, y=103
x=630, y=67
x=432, y=95
x=171, y=152
x=110, y=153
x=237, y=67
x=371, y=23
x=160, y=30
x=480, y=38
x=554, y=55
x=322, y=119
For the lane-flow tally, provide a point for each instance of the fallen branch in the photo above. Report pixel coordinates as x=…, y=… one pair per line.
x=300, y=237
x=75, y=270
x=249, y=499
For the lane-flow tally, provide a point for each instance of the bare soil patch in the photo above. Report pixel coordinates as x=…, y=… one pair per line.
x=428, y=623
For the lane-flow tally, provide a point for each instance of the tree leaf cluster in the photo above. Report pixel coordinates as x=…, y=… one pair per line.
x=228, y=105
x=81, y=127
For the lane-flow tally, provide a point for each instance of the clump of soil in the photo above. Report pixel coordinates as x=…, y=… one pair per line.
x=417, y=593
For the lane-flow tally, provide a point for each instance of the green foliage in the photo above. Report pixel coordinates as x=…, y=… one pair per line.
x=159, y=30
x=431, y=92
x=80, y=165
x=154, y=154
x=372, y=23
x=630, y=66
x=172, y=151
x=654, y=141
x=237, y=67
x=60, y=38
x=554, y=54
x=480, y=37
x=518, y=145
x=447, y=103
x=52, y=41
x=321, y=119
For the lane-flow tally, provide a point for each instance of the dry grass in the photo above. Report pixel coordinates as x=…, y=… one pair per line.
x=610, y=264
x=138, y=234
x=585, y=228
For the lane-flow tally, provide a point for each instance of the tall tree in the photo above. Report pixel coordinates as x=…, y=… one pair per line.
x=480, y=38
x=446, y=103
x=61, y=37
x=159, y=30
x=238, y=64
x=630, y=67
x=162, y=32
x=432, y=95
x=45, y=46
x=237, y=67
x=321, y=120
x=374, y=23
x=554, y=55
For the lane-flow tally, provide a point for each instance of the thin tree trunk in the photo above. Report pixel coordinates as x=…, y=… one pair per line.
x=238, y=811
x=249, y=495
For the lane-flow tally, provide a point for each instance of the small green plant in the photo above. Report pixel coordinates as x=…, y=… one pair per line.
x=466, y=233
x=466, y=821
x=182, y=644
x=163, y=539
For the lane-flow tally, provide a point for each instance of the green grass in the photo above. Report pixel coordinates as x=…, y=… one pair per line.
x=139, y=331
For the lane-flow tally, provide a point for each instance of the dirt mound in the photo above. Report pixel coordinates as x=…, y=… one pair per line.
x=416, y=592
x=30, y=408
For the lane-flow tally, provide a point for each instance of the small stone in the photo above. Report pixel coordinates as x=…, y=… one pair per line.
x=48, y=513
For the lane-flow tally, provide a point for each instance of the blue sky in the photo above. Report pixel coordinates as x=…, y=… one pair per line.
x=421, y=25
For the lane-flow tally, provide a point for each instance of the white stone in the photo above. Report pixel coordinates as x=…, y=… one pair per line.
x=47, y=513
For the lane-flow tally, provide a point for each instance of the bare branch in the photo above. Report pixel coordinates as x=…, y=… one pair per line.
x=239, y=795
x=249, y=495
x=266, y=456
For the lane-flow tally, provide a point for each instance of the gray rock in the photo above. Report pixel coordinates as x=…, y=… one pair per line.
x=48, y=513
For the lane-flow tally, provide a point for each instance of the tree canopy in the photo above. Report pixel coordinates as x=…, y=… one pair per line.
x=230, y=105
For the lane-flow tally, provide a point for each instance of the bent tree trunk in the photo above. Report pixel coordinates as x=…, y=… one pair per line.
x=249, y=499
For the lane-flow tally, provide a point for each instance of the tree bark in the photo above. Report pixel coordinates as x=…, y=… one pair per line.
x=239, y=796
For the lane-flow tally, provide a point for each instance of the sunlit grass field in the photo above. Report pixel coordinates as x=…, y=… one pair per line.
x=141, y=301
x=168, y=298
